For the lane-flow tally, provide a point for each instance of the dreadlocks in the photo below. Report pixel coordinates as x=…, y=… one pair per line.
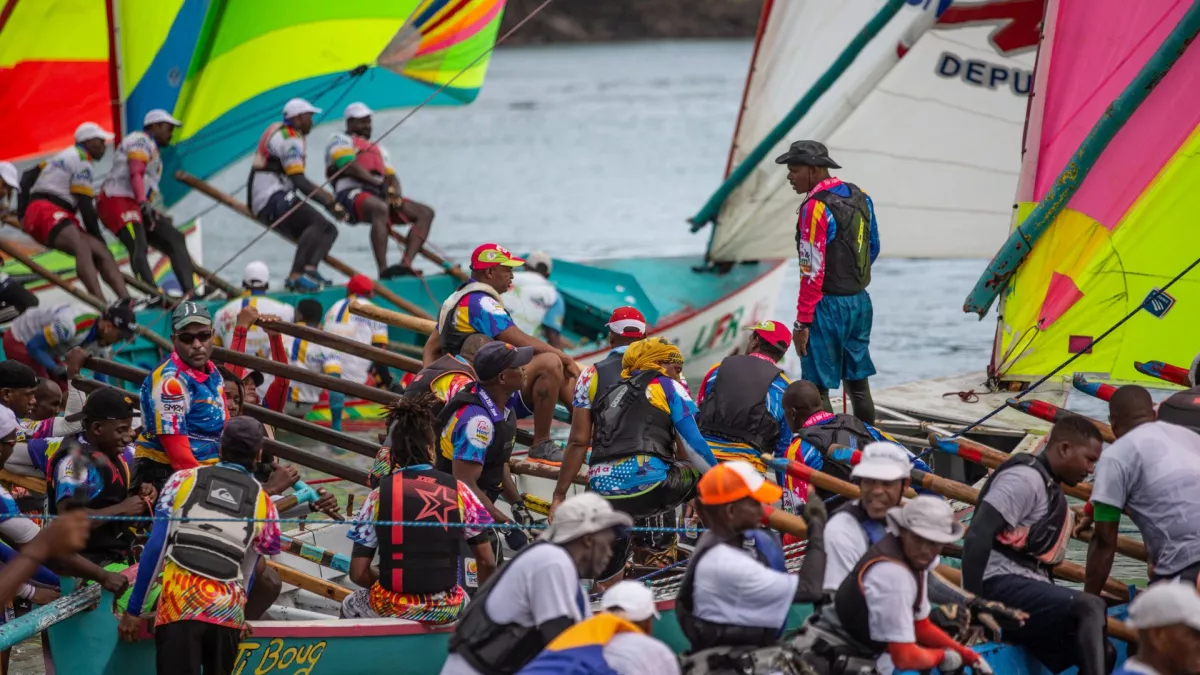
x=410, y=430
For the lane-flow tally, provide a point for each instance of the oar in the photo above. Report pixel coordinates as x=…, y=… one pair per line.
x=301, y=494
x=542, y=471
x=1163, y=371
x=826, y=482
x=1052, y=413
x=304, y=375
x=449, y=267
x=1099, y=390
x=31, y=483
x=310, y=583
x=336, y=263
x=339, y=562
x=991, y=458
x=341, y=344
x=416, y=325
x=24, y=627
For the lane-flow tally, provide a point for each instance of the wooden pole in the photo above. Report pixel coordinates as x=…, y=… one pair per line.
x=386, y=293
x=31, y=483
x=24, y=627
x=314, y=461
x=341, y=344
x=422, y=326
x=318, y=433
x=1052, y=413
x=991, y=458
x=310, y=583
x=315, y=554
x=209, y=277
x=304, y=375
x=1099, y=390
x=782, y=521
x=1164, y=371
x=542, y=471
x=826, y=482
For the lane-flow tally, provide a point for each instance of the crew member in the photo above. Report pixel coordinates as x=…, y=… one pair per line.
x=313, y=357
x=183, y=403
x=883, y=603
x=18, y=384
x=41, y=337
x=1021, y=528
x=339, y=321
x=477, y=430
x=279, y=191
x=626, y=326
x=10, y=187
x=207, y=565
x=737, y=591
x=256, y=280
x=619, y=640
x=1151, y=473
x=537, y=595
x=837, y=238
x=14, y=298
x=1167, y=619
x=368, y=188
x=741, y=399
x=476, y=307
x=126, y=200
x=635, y=462
x=417, y=577
x=533, y=302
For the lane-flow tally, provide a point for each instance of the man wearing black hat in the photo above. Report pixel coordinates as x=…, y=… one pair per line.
x=837, y=239
x=41, y=337
x=17, y=385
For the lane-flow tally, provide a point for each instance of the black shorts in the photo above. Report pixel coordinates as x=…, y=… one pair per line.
x=1049, y=632
x=183, y=647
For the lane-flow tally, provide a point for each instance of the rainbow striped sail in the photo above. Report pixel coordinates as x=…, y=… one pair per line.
x=1130, y=227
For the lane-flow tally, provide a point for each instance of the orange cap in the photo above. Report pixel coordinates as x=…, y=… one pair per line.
x=730, y=481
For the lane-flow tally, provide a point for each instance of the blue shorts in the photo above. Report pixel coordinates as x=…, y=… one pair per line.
x=839, y=341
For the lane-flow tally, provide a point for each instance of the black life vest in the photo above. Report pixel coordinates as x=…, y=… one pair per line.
x=704, y=634
x=1045, y=542
x=608, y=372
x=626, y=424
x=112, y=541
x=422, y=383
x=848, y=256
x=449, y=335
x=419, y=559
x=25, y=196
x=874, y=529
x=495, y=648
x=735, y=409
x=850, y=601
x=843, y=429
x=498, y=452
x=1182, y=408
x=215, y=548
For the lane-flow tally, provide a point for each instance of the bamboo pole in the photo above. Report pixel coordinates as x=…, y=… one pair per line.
x=310, y=583
x=304, y=376
x=991, y=458
x=341, y=344
x=314, y=461
x=290, y=424
x=1052, y=413
x=336, y=263
x=416, y=325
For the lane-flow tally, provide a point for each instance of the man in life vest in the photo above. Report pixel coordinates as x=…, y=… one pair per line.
x=837, y=239
x=41, y=337
x=1021, y=528
x=741, y=399
x=1150, y=473
x=417, y=577
x=1167, y=618
x=476, y=307
x=278, y=189
x=635, y=462
x=626, y=326
x=883, y=604
x=208, y=559
x=126, y=201
x=340, y=322
x=51, y=194
x=617, y=641
x=368, y=188
x=737, y=592
x=536, y=596
x=533, y=301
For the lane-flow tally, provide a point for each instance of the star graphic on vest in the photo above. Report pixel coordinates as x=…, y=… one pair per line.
x=440, y=502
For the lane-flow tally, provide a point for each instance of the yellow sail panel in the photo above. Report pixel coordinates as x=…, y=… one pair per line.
x=144, y=27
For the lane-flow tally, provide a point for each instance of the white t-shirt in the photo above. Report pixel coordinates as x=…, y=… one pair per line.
x=1019, y=495
x=533, y=301
x=891, y=592
x=289, y=147
x=66, y=174
x=315, y=358
x=136, y=146
x=339, y=321
x=845, y=544
x=257, y=342
x=640, y=654
x=64, y=326
x=732, y=587
x=540, y=585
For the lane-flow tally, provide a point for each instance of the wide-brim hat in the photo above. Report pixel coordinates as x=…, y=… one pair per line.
x=930, y=518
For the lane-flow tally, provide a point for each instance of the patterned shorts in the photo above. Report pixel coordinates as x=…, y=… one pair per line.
x=377, y=602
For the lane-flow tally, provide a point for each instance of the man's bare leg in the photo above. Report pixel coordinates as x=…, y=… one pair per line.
x=543, y=382
x=107, y=266
x=420, y=217
x=375, y=211
x=73, y=241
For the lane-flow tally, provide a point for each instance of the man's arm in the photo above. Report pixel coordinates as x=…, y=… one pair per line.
x=874, y=230
x=362, y=572
x=573, y=456
x=516, y=337
x=468, y=473
x=433, y=348
x=977, y=547
x=508, y=487
x=39, y=349
x=1102, y=548
x=814, y=238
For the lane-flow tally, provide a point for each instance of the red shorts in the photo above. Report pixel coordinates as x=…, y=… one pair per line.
x=44, y=218
x=116, y=212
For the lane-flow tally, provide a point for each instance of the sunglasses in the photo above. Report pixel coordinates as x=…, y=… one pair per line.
x=189, y=338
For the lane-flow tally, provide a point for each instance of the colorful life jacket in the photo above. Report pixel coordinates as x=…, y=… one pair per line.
x=451, y=337
x=423, y=382
x=579, y=650
x=204, y=541
x=626, y=424
x=735, y=408
x=419, y=560
x=112, y=541
x=1043, y=544
x=850, y=600
x=496, y=456
x=843, y=429
x=848, y=256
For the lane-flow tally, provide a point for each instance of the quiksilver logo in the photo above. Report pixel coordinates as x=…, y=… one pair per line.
x=223, y=495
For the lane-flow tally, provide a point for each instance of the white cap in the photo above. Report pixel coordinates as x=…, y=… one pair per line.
x=882, y=461
x=930, y=518
x=298, y=106
x=89, y=130
x=256, y=274
x=1167, y=603
x=159, y=115
x=539, y=258
x=636, y=601
x=358, y=110
x=581, y=515
x=9, y=174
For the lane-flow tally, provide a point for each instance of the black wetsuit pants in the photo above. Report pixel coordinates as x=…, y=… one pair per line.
x=168, y=240
x=312, y=233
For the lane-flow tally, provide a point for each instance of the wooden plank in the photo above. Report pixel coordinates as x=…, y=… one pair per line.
x=310, y=583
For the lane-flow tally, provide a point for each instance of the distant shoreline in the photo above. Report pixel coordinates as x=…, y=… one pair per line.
x=619, y=20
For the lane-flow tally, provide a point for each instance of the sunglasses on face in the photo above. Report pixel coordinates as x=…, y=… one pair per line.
x=189, y=338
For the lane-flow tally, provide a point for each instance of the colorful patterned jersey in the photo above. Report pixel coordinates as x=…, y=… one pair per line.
x=339, y=321
x=177, y=399
x=816, y=228
x=285, y=144
x=314, y=358
x=257, y=342
x=66, y=174
x=69, y=478
x=585, y=385
x=344, y=147
x=137, y=146
x=479, y=312
x=61, y=326
x=469, y=433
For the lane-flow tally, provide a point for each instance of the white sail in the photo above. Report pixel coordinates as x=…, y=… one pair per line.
x=933, y=133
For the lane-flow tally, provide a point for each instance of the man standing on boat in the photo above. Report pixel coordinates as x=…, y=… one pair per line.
x=58, y=188
x=278, y=189
x=339, y=321
x=476, y=307
x=126, y=199
x=41, y=337
x=1020, y=530
x=1167, y=619
x=369, y=190
x=837, y=238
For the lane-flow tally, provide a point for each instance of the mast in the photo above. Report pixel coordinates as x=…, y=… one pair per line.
x=114, y=69
x=758, y=37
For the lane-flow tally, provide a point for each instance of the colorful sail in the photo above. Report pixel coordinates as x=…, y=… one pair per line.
x=53, y=74
x=250, y=56
x=1128, y=229
x=928, y=120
